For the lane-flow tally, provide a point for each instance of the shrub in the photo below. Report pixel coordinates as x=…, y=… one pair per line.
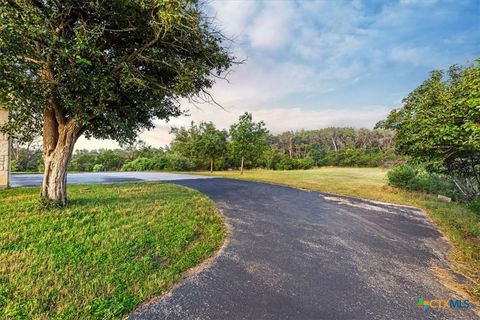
x=98, y=168
x=139, y=164
x=475, y=205
x=285, y=163
x=13, y=165
x=417, y=179
x=305, y=163
x=179, y=163
x=434, y=183
x=401, y=176
x=158, y=163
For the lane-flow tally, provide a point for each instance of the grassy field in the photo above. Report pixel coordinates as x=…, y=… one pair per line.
x=112, y=248
x=460, y=224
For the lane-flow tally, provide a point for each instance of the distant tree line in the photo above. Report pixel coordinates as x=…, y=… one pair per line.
x=247, y=144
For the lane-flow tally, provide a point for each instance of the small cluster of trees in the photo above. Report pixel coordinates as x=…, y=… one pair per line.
x=205, y=146
x=26, y=157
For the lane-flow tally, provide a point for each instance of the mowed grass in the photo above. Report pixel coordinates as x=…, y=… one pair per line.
x=111, y=248
x=460, y=224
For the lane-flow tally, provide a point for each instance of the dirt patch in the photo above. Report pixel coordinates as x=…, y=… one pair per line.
x=457, y=284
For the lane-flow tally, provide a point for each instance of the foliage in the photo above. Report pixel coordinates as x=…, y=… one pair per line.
x=139, y=164
x=98, y=167
x=299, y=144
x=178, y=162
x=305, y=163
x=159, y=162
x=86, y=61
x=27, y=156
x=417, y=179
x=199, y=142
x=285, y=163
x=103, y=69
x=269, y=158
x=439, y=125
x=401, y=176
x=109, y=250
x=475, y=206
x=211, y=143
x=185, y=140
x=249, y=139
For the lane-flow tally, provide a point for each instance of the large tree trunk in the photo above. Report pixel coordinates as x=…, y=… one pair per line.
x=211, y=164
x=241, y=167
x=58, y=143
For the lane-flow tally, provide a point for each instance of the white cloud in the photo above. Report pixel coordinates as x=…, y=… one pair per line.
x=418, y=2
x=233, y=17
x=273, y=27
x=410, y=55
x=306, y=49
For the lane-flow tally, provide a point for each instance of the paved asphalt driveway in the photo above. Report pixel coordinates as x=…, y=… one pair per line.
x=295, y=254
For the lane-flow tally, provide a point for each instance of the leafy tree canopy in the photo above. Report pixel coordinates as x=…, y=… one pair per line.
x=211, y=143
x=105, y=69
x=439, y=124
x=249, y=138
x=109, y=66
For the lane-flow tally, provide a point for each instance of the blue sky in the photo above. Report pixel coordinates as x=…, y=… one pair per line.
x=313, y=64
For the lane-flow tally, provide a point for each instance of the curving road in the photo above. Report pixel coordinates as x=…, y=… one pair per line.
x=295, y=254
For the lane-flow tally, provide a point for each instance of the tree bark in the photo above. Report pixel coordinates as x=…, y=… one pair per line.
x=58, y=143
x=241, y=167
x=211, y=164
x=290, y=147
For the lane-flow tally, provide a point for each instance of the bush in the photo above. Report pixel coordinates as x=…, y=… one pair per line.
x=285, y=163
x=159, y=162
x=13, y=165
x=417, y=179
x=98, y=168
x=475, y=205
x=434, y=183
x=179, y=163
x=139, y=164
x=401, y=176
x=305, y=163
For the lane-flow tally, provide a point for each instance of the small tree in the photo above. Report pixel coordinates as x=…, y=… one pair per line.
x=184, y=142
x=211, y=142
x=439, y=125
x=249, y=139
x=103, y=69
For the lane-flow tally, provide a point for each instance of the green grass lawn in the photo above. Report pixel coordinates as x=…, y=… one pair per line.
x=460, y=224
x=113, y=247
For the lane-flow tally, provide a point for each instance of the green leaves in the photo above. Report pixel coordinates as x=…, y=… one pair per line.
x=439, y=123
x=112, y=66
x=249, y=139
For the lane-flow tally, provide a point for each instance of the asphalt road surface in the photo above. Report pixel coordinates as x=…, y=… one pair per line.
x=295, y=254
x=30, y=180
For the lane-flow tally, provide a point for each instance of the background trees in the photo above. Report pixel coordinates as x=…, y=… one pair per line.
x=249, y=139
x=104, y=69
x=192, y=148
x=211, y=143
x=439, y=126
